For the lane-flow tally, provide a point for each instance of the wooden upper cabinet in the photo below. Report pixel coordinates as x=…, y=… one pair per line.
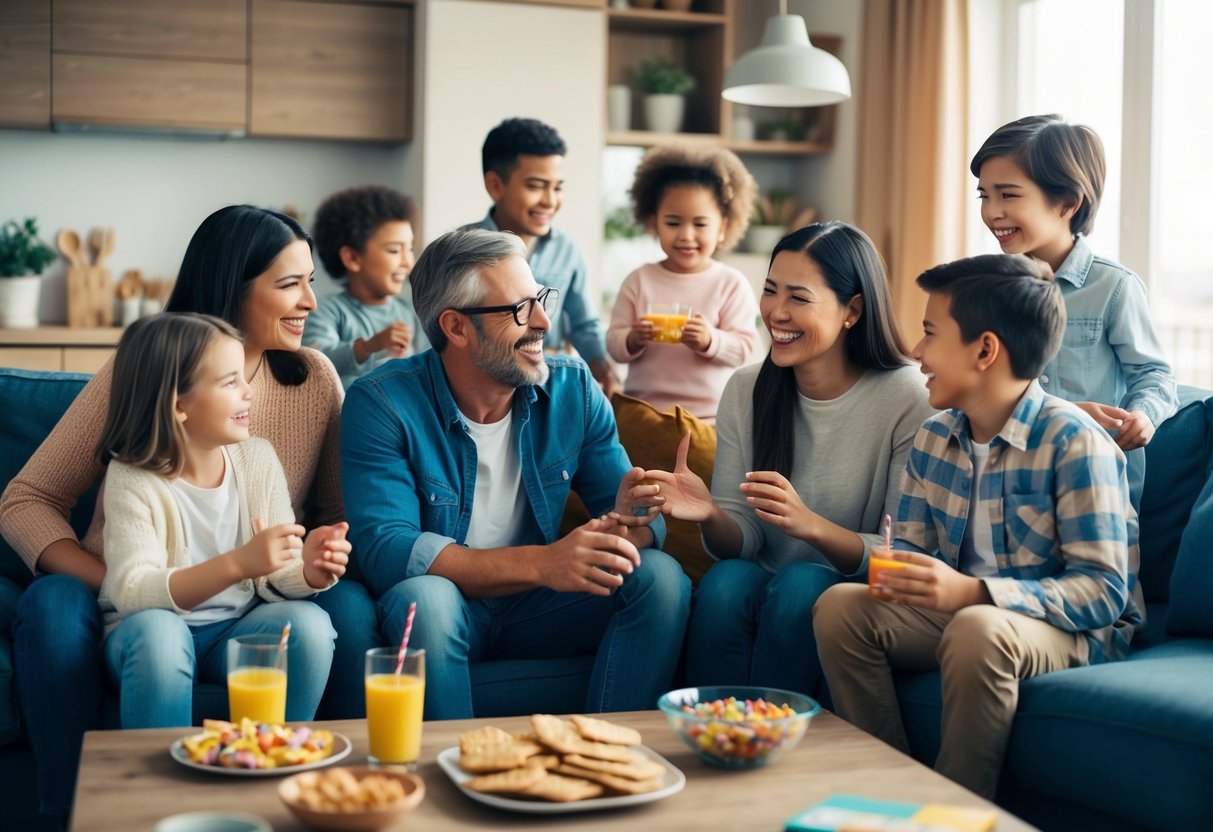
x=333, y=70
x=25, y=63
x=213, y=30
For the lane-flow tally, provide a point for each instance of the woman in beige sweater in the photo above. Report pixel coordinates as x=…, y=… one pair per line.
x=251, y=267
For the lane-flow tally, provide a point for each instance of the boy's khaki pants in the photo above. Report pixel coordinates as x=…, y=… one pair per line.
x=982, y=653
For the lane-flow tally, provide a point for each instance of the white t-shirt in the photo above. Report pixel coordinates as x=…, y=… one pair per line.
x=211, y=517
x=498, y=506
x=977, y=548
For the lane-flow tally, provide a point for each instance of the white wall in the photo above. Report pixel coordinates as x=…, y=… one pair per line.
x=154, y=191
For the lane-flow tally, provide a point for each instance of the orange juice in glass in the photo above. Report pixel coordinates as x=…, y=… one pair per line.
x=668, y=320
x=878, y=565
x=394, y=706
x=256, y=679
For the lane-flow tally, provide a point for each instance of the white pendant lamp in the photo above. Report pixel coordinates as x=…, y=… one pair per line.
x=786, y=70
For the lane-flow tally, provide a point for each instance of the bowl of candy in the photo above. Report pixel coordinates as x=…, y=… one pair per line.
x=734, y=726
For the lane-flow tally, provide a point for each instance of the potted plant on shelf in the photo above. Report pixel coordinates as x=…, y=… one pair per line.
x=22, y=258
x=775, y=214
x=665, y=85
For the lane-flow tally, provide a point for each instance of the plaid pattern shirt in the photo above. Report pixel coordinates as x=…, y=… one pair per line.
x=1056, y=495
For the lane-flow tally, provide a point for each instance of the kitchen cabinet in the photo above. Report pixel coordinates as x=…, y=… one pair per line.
x=25, y=63
x=71, y=349
x=333, y=70
x=148, y=63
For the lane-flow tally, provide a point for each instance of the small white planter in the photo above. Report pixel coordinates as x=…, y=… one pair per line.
x=19, y=301
x=619, y=107
x=762, y=239
x=663, y=113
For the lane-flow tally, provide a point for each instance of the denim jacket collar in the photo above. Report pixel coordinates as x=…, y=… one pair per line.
x=1077, y=265
x=1018, y=427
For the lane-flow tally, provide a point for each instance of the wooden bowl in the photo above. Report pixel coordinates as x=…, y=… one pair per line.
x=366, y=819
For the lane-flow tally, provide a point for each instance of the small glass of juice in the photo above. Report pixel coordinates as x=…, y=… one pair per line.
x=256, y=679
x=877, y=564
x=668, y=320
x=394, y=706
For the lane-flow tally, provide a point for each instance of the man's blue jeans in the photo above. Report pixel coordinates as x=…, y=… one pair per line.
x=749, y=626
x=155, y=657
x=636, y=633
x=57, y=657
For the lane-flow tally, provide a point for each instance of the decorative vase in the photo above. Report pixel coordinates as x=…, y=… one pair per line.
x=19, y=301
x=619, y=108
x=663, y=113
x=762, y=239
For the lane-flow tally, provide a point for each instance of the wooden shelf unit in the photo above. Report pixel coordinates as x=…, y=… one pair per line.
x=71, y=349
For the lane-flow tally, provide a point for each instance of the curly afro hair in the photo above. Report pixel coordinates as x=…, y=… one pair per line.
x=516, y=137
x=714, y=168
x=351, y=217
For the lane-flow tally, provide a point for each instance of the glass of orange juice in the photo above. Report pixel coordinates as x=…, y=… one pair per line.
x=394, y=704
x=878, y=564
x=668, y=320
x=256, y=679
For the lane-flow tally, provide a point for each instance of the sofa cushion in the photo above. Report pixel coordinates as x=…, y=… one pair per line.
x=514, y=687
x=1191, y=609
x=32, y=403
x=651, y=439
x=10, y=717
x=1178, y=462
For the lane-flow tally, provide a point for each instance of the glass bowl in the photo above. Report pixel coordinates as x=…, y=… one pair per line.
x=722, y=734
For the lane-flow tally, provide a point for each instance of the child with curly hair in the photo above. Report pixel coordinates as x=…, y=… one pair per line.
x=365, y=235
x=694, y=200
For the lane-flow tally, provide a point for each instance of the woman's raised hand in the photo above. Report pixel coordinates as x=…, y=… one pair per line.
x=686, y=495
x=776, y=501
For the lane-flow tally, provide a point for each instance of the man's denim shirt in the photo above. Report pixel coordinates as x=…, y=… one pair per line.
x=1110, y=352
x=558, y=262
x=408, y=464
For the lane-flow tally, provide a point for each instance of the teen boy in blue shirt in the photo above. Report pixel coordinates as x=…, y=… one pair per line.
x=1014, y=527
x=523, y=164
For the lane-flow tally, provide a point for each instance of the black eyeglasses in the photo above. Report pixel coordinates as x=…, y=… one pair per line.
x=522, y=310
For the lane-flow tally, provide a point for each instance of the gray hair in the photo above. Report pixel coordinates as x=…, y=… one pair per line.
x=447, y=274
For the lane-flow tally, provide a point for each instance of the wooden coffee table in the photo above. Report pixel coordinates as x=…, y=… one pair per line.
x=128, y=781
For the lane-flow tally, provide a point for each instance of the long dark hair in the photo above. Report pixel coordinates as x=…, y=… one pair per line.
x=228, y=251
x=851, y=266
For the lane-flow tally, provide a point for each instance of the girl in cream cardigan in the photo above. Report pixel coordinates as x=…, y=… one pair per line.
x=200, y=540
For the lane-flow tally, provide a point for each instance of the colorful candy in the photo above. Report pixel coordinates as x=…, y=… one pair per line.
x=256, y=745
x=741, y=731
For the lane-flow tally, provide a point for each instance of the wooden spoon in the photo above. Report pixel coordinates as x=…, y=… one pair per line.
x=102, y=241
x=69, y=246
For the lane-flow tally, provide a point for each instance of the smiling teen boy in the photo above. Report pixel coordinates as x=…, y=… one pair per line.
x=523, y=164
x=1019, y=544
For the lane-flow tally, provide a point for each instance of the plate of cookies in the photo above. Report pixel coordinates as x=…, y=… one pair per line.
x=580, y=764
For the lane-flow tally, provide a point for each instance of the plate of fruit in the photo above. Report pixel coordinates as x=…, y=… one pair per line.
x=257, y=749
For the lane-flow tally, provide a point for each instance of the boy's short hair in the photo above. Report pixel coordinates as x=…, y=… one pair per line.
x=1011, y=295
x=714, y=168
x=1066, y=161
x=351, y=217
x=516, y=137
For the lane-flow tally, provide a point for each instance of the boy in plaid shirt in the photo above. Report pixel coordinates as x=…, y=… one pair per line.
x=1014, y=525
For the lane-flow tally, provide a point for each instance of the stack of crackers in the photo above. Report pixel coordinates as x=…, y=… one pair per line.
x=558, y=760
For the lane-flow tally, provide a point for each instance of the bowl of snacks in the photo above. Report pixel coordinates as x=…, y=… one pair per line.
x=737, y=726
x=354, y=797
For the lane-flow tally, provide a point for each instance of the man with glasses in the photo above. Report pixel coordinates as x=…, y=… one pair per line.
x=456, y=466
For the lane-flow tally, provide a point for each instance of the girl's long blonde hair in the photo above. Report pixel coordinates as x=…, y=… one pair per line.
x=157, y=361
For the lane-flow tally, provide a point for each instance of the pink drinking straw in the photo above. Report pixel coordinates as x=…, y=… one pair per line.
x=888, y=534
x=286, y=634
x=404, y=642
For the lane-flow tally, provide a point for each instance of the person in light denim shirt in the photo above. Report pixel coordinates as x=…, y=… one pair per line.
x=462, y=459
x=1040, y=181
x=523, y=164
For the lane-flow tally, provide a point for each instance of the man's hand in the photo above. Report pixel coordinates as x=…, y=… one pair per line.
x=697, y=333
x=637, y=501
x=592, y=558
x=776, y=502
x=269, y=550
x=930, y=583
x=686, y=497
x=326, y=553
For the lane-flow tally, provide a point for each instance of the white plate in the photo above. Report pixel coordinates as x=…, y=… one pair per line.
x=341, y=749
x=671, y=783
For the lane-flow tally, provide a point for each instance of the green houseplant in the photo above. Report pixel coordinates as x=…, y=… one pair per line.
x=664, y=84
x=22, y=258
x=775, y=214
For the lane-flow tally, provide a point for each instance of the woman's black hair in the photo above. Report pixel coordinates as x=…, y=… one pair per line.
x=228, y=251
x=851, y=266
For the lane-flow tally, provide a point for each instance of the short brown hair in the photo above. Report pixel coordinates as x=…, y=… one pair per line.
x=714, y=168
x=1011, y=295
x=157, y=361
x=1066, y=161
x=351, y=217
